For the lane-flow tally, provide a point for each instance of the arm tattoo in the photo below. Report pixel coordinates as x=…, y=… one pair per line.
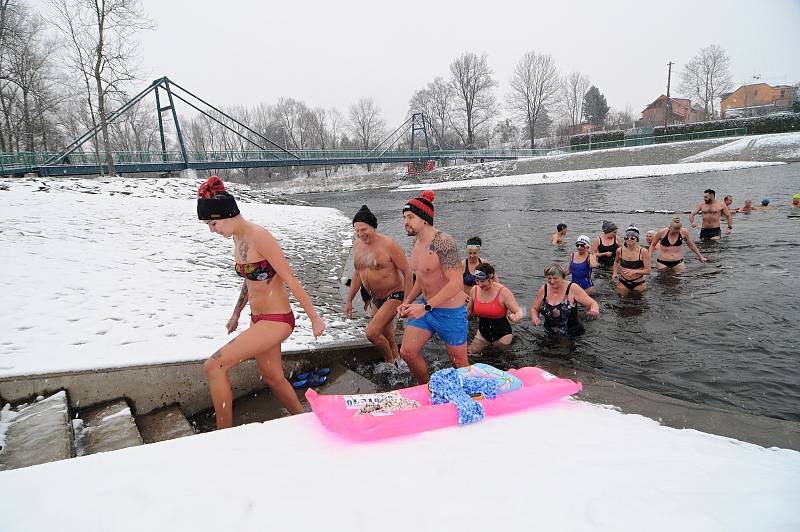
x=243, y=295
x=443, y=245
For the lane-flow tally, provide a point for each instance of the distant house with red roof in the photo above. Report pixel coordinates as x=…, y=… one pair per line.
x=681, y=112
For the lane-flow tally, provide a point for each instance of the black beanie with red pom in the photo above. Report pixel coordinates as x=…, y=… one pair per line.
x=422, y=206
x=214, y=202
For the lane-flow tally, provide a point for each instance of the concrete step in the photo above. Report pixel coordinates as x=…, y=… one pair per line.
x=36, y=433
x=263, y=406
x=164, y=424
x=106, y=427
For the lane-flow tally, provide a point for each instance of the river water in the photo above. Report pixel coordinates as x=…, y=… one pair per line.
x=723, y=334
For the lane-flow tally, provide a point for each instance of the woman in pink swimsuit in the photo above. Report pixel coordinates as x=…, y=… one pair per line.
x=266, y=272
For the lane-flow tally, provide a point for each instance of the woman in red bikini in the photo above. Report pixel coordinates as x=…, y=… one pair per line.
x=266, y=272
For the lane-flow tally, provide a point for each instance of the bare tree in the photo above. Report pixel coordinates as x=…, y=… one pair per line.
x=471, y=81
x=707, y=77
x=534, y=86
x=436, y=101
x=366, y=123
x=573, y=88
x=102, y=33
x=336, y=120
x=620, y=119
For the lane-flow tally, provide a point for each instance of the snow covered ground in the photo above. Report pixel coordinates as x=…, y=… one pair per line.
x=565, y=466
x=594, y=174
x=120, y=272
x=778, y=147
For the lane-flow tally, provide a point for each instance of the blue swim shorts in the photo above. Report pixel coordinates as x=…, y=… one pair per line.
x=449, y=324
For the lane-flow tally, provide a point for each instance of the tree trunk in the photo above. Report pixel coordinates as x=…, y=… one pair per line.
x=26, y=121
x=101, y=110
x=101, y=104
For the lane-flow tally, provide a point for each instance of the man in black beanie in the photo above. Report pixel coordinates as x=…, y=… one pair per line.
x=379, y=262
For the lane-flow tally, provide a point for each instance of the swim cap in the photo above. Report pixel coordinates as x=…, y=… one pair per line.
x=583, y=239
x=366, y=216
x=796, y=196
x=765, y=202
x=214, y=202
x=422, y=206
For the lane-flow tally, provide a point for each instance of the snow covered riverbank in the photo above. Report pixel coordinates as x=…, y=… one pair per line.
x=564, y=466
x=595, y=174
x=111, y=273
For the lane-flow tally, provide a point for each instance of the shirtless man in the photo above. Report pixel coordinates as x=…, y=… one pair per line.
x=379, y=262
x=441, y=310
x=558, y=236
x=712, y=210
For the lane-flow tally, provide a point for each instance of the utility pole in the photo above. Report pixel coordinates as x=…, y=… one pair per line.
x=668, y=106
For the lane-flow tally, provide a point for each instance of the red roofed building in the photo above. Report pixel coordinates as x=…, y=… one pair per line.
x=682, y=112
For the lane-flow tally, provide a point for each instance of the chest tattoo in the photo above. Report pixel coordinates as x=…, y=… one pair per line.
x=243, y=248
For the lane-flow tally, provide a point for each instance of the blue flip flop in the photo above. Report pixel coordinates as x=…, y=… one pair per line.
x=321, y=372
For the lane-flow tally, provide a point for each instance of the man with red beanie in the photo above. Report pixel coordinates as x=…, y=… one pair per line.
x=441, y=310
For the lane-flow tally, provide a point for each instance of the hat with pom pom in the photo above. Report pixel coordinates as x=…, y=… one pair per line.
x=422, y=206
x=214, y=202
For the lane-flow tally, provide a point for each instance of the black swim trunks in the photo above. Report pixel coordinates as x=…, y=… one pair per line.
x=378, y=302
x=707, y=233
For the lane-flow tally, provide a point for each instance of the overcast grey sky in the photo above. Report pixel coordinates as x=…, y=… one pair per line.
x=330, y=53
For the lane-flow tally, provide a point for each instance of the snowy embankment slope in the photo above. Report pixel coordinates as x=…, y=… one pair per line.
x=99, y=275
x=594, y=174
x=564, y=466
x=777, y=147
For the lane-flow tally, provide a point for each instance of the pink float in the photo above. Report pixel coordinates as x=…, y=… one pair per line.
x=342, y=413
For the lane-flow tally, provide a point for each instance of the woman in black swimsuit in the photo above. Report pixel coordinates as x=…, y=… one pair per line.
x=670, y=239
x=557, y=300
x=605, y=246
x=471, y=262
x=633, y=262
x=266, y=273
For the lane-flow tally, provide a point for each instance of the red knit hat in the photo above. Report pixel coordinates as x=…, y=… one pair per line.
x=422, y=206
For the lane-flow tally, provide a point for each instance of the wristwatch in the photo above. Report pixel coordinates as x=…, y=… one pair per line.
x=428, y=308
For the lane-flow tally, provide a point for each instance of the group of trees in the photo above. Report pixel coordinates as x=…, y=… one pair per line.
x=464, y=110
x=60, y=76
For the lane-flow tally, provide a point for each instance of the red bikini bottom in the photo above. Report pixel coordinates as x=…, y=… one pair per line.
x=281, y=318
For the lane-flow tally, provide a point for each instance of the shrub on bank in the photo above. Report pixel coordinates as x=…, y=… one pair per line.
x=600, y=136
x=757, y=125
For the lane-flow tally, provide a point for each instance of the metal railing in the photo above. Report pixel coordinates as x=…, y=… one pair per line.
x=32, y=160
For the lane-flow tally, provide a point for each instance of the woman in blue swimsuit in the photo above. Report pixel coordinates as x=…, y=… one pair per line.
x=582, y=263
x=266, y=274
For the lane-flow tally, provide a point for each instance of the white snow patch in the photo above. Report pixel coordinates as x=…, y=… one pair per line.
x=565, y=466
x=124, y=412
x=593, y=174
x=97, y=279
x=783, y=146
